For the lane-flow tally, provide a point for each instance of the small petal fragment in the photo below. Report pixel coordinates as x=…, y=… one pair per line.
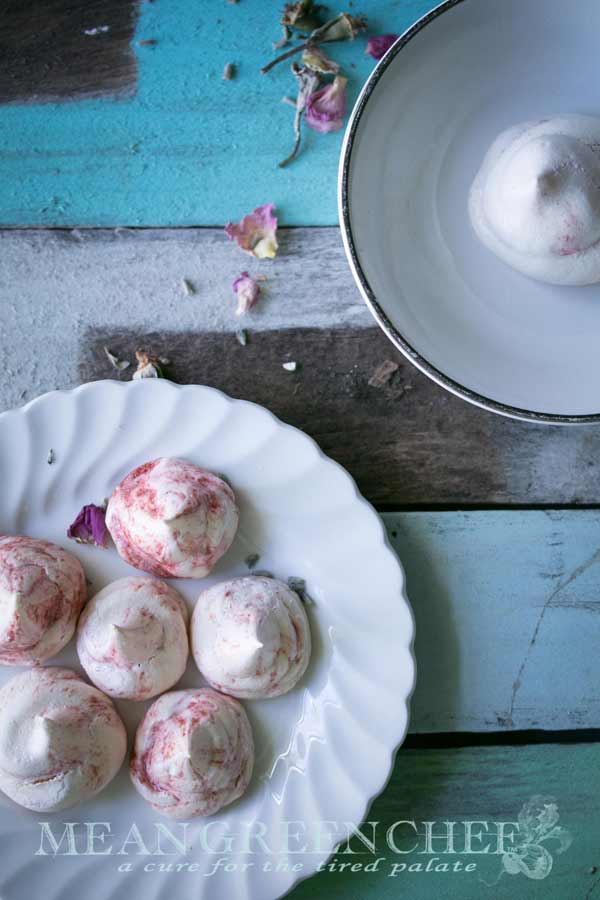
x=378, y=45
x=247, y=291
x=89, y=526
x=256, y=233
x=326, y=108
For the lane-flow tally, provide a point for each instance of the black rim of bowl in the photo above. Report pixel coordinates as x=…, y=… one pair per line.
x=379, y=314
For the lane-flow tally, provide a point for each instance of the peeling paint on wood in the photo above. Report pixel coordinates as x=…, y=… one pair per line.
x=483, y=785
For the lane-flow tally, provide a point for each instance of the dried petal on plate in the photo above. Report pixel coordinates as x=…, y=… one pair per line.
x=256, y=233
x=89, y=526
x=247, y=291
x=318, y=61
x=383, y=373
x=379, y=44
x=116, y=363
x=326, y=108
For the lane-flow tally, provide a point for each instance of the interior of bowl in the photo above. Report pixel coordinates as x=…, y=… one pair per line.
x=414, y=145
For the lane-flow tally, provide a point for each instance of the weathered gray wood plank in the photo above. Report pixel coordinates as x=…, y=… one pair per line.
x=63, y=295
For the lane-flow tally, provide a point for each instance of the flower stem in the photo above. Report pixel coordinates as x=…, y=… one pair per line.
x=284, y=56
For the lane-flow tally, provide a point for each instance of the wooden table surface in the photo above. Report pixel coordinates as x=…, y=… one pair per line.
x=122, y=153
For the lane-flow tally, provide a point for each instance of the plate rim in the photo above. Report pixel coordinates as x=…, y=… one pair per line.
x=141, y=385
x=395, y=336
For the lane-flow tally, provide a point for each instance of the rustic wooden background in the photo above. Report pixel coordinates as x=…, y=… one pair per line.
x=119, y=149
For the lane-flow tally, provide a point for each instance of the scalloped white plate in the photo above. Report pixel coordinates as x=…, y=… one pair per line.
x=325, y=749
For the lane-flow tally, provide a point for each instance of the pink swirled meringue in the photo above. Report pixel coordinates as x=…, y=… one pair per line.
x=172, y=519
x=535, y=202
x=61, y=740
x=193, y=753
x=42, y=591
x=132, y=638
x=251, y=637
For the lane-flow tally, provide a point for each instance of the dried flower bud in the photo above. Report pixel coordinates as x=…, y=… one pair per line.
x=326, y=108
x=343, y=28
x=256, y=233
x=316, y=60
x=302, y=16
x=247, y=291
x=89, y=526
x=378, y=45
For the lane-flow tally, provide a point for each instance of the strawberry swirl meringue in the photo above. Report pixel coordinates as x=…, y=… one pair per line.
x=251, y=637
x=42, y=592
x=132, y=638
x=193, y=753
x=172, y=519
x=535, y=202
x=61, y=740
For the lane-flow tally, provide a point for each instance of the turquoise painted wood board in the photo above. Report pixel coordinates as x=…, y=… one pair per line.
x=487, y=786
x=187, y=148
x=507, y=611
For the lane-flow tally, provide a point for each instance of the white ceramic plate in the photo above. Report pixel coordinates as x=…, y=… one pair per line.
x=415, y=140
x=325, y=749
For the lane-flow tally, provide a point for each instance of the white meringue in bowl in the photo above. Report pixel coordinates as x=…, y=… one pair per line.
x=193, y=753
x=132, y=638
x=42, y=591
x=251, y=637
x=535, y=202
x=61, y=740
x=172, y=519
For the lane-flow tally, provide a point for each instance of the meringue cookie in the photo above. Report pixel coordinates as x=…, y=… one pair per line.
x=193, y=753
x=172, y=519
x=61, y=740
x=250, y=637
x=42, y=591
x=536, y=199
x=132, y=638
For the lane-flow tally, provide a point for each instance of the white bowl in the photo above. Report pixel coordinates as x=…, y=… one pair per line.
x=415, y=140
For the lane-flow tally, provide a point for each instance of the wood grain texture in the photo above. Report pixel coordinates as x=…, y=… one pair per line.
x=188, y=148
x=64, y=294
x=485, y=786
x=507, y=614
x=65, y=49
x=407, y=443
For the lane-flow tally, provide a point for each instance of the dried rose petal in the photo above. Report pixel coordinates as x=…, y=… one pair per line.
x=378, y=45
x=89, y=526
x=247, y=291
x=326, y=108
x=256, y=233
